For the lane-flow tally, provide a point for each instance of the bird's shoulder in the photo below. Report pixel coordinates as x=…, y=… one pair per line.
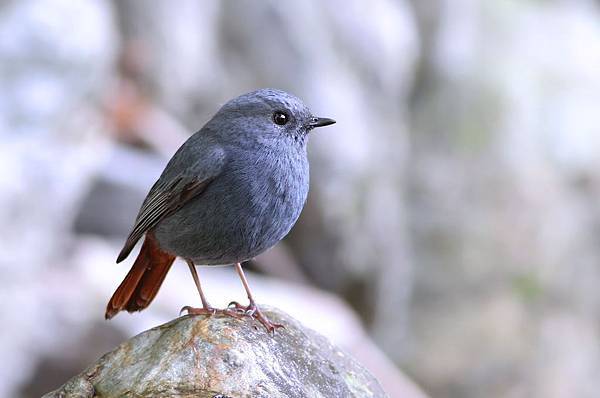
x=200, y=157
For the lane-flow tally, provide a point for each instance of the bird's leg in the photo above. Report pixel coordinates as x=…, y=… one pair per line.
x=252, y=309
x=206, y=308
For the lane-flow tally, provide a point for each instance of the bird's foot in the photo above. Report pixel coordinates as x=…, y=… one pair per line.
x=198, y=311
x=242, y=309
x=210, y=311
x=253, y=311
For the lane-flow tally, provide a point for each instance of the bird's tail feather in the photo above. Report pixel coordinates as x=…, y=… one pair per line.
x=141, y=284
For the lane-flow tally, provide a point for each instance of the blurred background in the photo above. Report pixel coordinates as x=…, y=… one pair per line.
x=452, y=232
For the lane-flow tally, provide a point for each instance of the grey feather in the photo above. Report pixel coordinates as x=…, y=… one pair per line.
x=174, y=189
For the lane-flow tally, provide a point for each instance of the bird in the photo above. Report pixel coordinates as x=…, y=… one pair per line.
x=233, y=190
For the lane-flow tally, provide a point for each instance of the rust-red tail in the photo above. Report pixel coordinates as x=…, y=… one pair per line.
x=141, y=284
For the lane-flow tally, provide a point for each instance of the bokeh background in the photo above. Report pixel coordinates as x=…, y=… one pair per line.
x=451, y=239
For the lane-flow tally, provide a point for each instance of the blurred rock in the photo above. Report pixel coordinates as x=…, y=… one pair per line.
x=504, y=199
x=57, y=60
x=208, y=356
x=117, y=191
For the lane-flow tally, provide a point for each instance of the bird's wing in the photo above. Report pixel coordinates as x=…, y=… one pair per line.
x=172, y=191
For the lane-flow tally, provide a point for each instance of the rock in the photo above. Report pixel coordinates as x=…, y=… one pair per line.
x=220, y=356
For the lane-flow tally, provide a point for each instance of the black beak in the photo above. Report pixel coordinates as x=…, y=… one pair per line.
x=319, y=122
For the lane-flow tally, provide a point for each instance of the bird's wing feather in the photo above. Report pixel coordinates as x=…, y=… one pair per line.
x=171, y=192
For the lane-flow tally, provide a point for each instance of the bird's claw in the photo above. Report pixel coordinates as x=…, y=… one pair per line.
x=198, y=311
x=252, y=311
x=241, y=309
x=236, y=310
x=235, y=306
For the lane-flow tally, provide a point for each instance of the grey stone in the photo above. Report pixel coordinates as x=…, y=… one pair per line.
x=223, y=356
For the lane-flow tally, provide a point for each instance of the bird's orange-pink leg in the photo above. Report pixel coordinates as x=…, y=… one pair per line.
x=252, y=309
x=206, y=307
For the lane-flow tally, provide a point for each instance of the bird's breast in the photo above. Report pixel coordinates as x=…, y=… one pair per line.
x=276, y=193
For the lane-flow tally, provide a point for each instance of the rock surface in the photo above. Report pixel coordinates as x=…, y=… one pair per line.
x=220, y=356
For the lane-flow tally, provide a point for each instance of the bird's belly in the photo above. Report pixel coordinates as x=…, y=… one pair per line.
x=232, y=221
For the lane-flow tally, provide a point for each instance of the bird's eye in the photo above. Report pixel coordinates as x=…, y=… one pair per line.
x=280, y=118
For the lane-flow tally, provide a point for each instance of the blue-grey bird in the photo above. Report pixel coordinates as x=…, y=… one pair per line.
x=231, y=191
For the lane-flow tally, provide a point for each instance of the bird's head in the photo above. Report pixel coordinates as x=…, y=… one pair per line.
x=268, y=115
